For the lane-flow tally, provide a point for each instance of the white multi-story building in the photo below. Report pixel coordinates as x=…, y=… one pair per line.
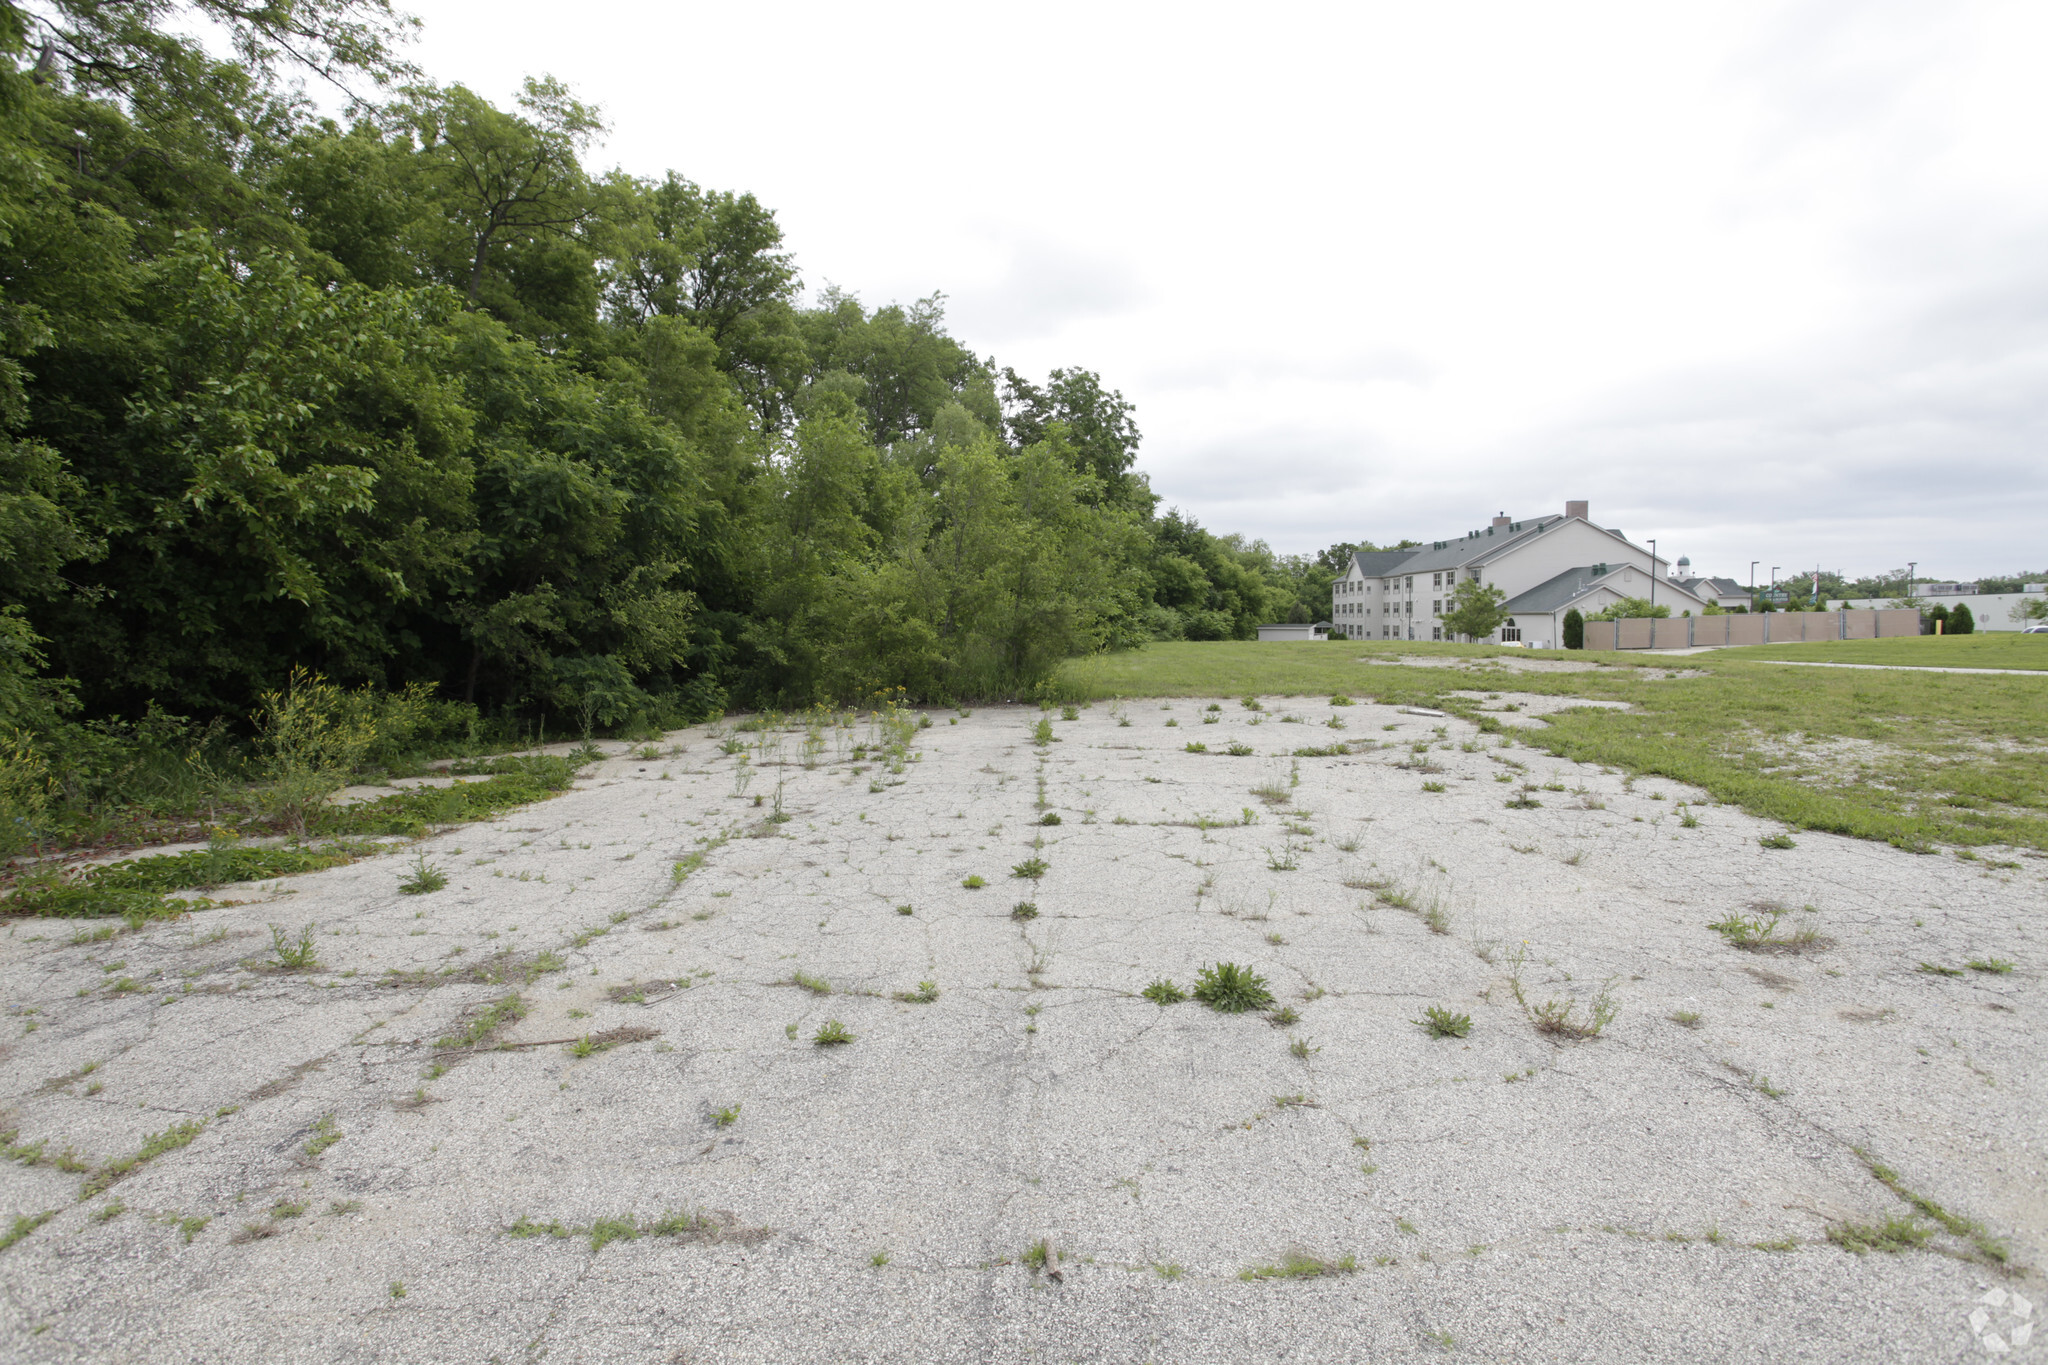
x=1545, y=566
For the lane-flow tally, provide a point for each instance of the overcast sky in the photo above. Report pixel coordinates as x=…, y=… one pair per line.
x=1766, y=281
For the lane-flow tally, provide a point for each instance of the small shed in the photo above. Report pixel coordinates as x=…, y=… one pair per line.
x=1318, y=631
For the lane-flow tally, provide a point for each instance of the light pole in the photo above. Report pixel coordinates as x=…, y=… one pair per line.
x=1911, y=565
x=1774, y=584
x=1752, y=583
x=1653, y=575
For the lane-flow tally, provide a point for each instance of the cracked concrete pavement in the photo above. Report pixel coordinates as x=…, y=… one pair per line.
x=1661, y=1192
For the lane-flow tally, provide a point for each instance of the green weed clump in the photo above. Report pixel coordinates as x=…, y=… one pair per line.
x=1297, y=1265
x=517, y=781
x=1031, y=869
x=482, y=1026
x=1759, y=933
x=425, y=878
x=831, y=1033
x=326, y=1132
x=140, y=888
x=1163, y=992
x=1567, y=1019
x=1893, y=1235
x=1441, y=1023
x=1231, y=989
x=293, y=955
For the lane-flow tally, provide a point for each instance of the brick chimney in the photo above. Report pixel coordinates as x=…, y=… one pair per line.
x=1579, y=509
x=1502, y=521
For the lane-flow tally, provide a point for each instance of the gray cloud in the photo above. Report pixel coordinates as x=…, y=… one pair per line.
x=1373, y=365
x=1048, y=286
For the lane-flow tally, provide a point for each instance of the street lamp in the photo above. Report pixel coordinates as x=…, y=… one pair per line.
x=1653, y=575
x=1911, y=565
x=1752, y=583
x=1771, y=597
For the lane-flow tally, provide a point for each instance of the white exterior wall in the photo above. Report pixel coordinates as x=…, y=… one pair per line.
x=1563, y=546
x=1349, y=599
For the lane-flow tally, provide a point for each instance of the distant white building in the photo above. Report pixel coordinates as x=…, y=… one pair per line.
x=1989, y=610
x=1547, y=566
x=1724, y=593
x=1319, y=631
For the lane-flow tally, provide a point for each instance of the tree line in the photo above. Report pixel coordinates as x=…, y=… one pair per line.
x=414, y=396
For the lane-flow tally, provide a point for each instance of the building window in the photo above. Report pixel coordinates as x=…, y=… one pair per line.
x=1510, y=634
x=1437, y=633
x=1436, y=608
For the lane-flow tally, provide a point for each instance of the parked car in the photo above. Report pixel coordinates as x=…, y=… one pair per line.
x=2038, y=628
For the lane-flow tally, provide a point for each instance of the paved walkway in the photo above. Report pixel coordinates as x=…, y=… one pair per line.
x=1908, y=668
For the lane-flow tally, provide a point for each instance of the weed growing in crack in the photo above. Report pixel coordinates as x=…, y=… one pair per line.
x=1685, y=1018
x=1163, y=992
x=1776, y=841
x=925, y=994
x=1284, y=1017
x=326, y=1132
x=726, y=1117
x=1441, y=1023
x=293, y=956
x=23, y=1225
x=1031, y=869
x=1996, y=965
x=155, y=1145
x=1300, y=1048
x=1563, y=1019
x=480, y=1027
x=425, y=877
x=816, y=985
x=1893, y=1235
x=1296, y=1265
x=1023, y=910
x=1759, y=933
x=1231, y=989
x=974, y=883
x=1988, y=1247
x=831, y=1033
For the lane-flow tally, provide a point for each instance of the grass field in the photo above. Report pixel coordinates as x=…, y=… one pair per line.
x=1916, y=759
x=2005, y=649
